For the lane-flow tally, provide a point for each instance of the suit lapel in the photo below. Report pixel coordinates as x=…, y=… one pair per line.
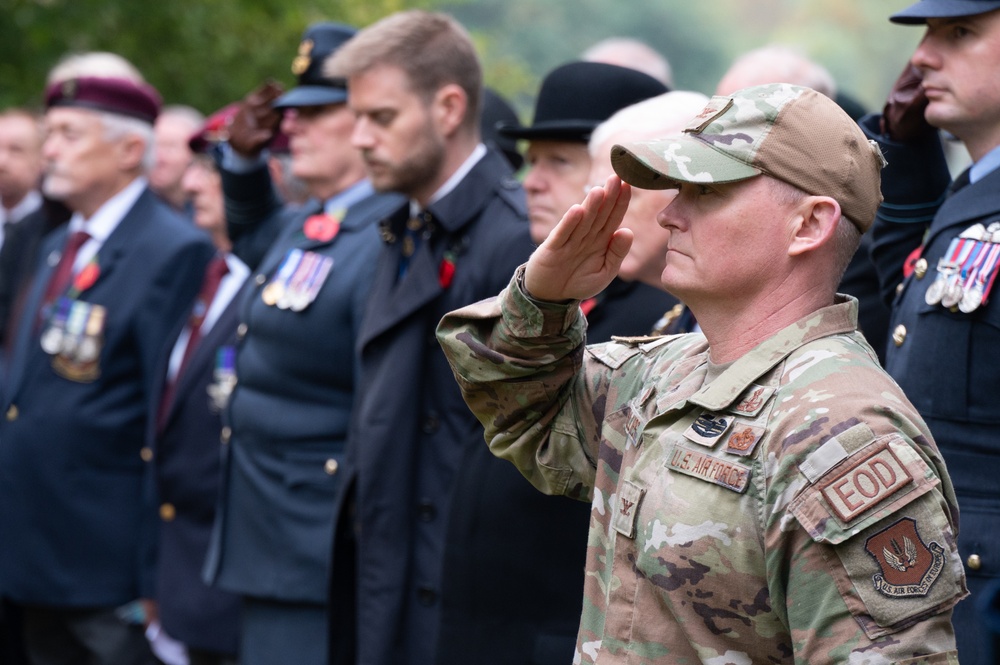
x=971, y=202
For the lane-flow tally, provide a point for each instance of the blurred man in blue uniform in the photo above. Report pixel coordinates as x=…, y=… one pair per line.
x=937, y=253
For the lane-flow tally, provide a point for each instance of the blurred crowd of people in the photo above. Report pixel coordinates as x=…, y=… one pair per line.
x=229, y=434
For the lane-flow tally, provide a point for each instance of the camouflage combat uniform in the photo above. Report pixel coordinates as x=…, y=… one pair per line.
x=790, y=506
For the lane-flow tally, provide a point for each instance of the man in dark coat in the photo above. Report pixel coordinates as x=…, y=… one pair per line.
x=442, y=555
x=111, y=288
x=936, y=249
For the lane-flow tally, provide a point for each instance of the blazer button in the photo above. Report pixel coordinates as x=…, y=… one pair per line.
x=260, y=279
x=920, y=268
x=168, y=512
x=241, y=331
x=974, y=562
x=426, y=511
x=146, y=454
x=899, y=335
x=226, y=433
x=899, y=288
x=426, y=596
x=331, y=467
x=432, y=423
x=12, y=412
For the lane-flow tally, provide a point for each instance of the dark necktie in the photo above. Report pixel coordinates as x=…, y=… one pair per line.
x=412, y=236
x=64, y=269
x=958, y=183
x=216, y=270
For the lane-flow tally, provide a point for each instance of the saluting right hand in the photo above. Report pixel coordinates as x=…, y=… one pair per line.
x=586, y=248
x=903, y=116
x=256, y=123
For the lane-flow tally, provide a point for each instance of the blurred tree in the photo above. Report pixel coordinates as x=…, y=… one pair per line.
x=205, y=54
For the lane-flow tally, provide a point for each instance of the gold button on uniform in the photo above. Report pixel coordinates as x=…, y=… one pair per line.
x=227, y=432
x=899, y=335
x=974, y=562
x=146, y=454
x=899, y=288
x=12, y=412
x=331, y=466
x=168, y=512
x=920, y=268
x=241, y=331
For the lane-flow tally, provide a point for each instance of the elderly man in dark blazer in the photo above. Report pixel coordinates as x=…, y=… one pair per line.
x=111, y=287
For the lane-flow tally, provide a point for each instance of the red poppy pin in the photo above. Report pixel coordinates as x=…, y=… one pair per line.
x=86, y=277
x=446, y=273
x=322, y=228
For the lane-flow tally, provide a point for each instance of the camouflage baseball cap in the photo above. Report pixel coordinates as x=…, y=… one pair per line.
x=788, y=132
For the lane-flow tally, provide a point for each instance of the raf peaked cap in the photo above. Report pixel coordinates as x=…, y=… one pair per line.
x=113, y=95
x=924, y=9
x=318, y=43
x=578, y=96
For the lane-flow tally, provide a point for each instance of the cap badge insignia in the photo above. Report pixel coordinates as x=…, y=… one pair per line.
x=302, y=61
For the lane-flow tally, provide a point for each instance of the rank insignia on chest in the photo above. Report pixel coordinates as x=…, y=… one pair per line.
x=708, y=428
x=743, y=439
x=908, y=566
x=752, y=401
x=968, y=269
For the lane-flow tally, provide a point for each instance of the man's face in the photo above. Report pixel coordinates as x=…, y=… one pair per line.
x=402, y=146
x=958, y=58
x=171, y=154
x=82, y=167
x=557, y=174
x=644, y=261
x=20, y=157
x=203, y=186
x=725, y=241
x=319, y=140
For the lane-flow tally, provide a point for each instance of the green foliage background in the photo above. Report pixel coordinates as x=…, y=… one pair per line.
x=209, y=52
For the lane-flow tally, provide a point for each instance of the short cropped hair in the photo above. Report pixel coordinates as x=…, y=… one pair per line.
x=433, y=49
x=118, y=126
x=846, y=237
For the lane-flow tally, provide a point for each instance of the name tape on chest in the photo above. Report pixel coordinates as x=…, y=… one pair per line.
x=731, y=475
x=866, y=483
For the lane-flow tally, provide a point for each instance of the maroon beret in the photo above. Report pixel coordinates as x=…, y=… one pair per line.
x=114, y=95
x=215, y=129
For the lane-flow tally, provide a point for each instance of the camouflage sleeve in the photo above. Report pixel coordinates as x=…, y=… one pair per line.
x=520, y=365
x=860, y=532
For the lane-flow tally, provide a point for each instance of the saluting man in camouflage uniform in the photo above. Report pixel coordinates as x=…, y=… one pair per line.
x=762, y=492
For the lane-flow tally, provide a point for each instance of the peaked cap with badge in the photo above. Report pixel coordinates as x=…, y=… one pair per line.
x=315, y=88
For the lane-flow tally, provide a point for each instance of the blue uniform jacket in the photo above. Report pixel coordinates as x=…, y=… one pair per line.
x=947, y=362
x=288, y=417
x=78, y=524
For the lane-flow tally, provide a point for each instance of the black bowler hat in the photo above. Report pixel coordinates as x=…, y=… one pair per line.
x=925, y=9
x=314, y=88
x=114, y=95
x=496, y=112
x=577, y=97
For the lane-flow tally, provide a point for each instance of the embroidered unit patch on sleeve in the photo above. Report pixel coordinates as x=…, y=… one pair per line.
x=908, y=565
x=866, y=483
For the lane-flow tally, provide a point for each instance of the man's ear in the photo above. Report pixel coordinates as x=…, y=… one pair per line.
x=131, y=150
x=450, y=107
x=814, y=224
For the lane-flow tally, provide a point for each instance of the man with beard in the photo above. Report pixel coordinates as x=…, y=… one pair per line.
x=442, y=555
